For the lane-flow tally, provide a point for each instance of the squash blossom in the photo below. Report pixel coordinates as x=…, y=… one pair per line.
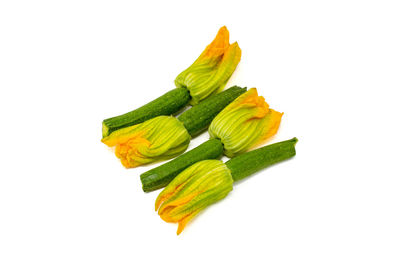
x=197, y=187
x=212, y=69
x=246, y=122
x=157, y=139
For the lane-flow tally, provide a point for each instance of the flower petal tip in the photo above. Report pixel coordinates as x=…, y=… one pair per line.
x=180, y=229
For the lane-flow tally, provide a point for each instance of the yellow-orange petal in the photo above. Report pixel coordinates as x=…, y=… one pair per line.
x=273, y=124
x=123, y=135
x=177, y=202
x=250, y=99
x=182, y=223
x=218, y=46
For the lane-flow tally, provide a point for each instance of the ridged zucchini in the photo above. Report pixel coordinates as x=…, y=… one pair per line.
x=200, y=116
x=167, y=104
x=253, y=161
x=162, y=175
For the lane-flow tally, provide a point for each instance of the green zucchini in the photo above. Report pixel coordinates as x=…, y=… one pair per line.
x=162, y=175
x=253, y=161
x=200, y=116
x=167, y=104
x=240, y=166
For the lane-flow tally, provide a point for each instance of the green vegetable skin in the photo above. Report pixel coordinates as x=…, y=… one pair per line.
x=253, y=161
x=240, y=166
x=160, y=176
x=200, y=116
x=168, y=104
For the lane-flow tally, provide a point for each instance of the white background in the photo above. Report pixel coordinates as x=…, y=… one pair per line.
x=331, y=66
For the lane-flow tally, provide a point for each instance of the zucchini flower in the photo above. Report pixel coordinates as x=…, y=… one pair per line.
x=156, y=139
x=197, y=187
x=212, y=69
x=245, y=123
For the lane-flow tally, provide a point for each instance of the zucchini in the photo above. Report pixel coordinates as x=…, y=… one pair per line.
x=200, y=116
x=253, y=161
x=162, y=175
x=240, y=166
x=167, y=104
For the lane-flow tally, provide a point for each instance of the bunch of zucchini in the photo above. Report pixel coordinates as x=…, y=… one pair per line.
x=240, y=120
